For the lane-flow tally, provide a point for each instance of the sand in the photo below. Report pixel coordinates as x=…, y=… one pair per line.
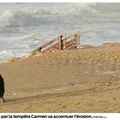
x=81, y=80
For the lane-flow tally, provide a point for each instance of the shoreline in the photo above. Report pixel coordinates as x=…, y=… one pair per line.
x=82, y=47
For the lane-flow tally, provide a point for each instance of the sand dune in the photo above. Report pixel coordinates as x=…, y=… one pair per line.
x=82, y=80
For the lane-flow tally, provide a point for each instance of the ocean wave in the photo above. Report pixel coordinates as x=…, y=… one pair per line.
x=14, y=18
x=6, y=54
x=33, y=13
x=27, y=16
x=66, y=9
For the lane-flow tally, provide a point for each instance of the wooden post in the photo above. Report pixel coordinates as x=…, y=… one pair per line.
x=40, y=48
x=60, y=43
x=75, y=40
x=78, y=40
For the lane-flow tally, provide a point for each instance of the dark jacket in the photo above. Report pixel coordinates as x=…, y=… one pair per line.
x=2, y=88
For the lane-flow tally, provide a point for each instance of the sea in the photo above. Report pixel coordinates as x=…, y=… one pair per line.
x=26, y=26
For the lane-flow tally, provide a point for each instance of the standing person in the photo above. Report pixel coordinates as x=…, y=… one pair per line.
x=2, y=89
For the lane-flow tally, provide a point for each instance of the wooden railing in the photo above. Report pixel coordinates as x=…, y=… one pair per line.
x=61, y=42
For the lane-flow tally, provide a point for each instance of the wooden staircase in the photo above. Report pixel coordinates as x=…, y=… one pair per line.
x=61, y=42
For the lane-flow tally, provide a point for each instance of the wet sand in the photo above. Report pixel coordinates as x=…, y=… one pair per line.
x=82, y=80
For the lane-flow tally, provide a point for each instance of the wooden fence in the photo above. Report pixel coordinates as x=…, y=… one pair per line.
x=61, y=42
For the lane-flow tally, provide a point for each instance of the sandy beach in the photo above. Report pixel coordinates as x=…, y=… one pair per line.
x=80, y=80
